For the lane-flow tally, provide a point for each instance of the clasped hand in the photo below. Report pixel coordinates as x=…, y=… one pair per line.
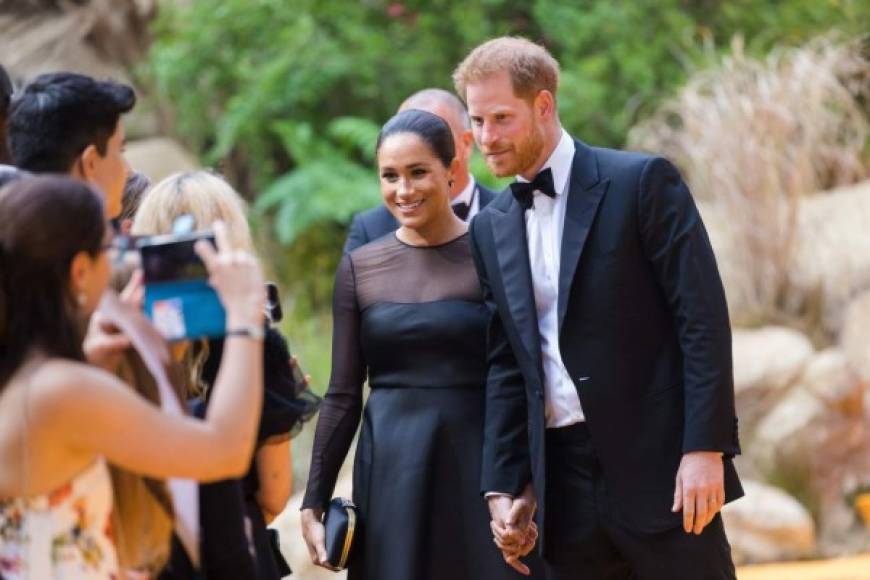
x=513, y=527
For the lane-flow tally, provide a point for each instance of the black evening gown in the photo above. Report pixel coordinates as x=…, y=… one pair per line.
x=412, y=319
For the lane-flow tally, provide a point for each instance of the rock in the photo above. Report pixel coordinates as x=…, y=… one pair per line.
x=105, y=39
x=738, y=280
x=814, y=443
x=855, y=336
x=767, y=361
x=159, y=158
x=768, y=525
x=828, y=264
x=785, y=431
x=829, y=378
x=831, y=256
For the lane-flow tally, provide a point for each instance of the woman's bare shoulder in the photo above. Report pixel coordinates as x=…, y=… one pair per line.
x=65, y=386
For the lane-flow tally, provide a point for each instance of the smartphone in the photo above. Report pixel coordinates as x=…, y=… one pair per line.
x=273, y=303
x=178, y=298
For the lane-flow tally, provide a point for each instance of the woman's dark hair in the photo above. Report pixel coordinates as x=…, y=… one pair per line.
x=58, y=115
x=429, y=127
x=44, y=223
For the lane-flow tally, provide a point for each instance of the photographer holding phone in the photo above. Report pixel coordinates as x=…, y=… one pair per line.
x=265, y=489
x=62, y=420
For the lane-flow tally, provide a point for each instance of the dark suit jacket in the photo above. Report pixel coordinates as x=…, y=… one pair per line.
x=644, y=335
x=377, y=222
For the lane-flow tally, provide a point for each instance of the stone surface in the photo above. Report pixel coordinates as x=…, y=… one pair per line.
x=830, y=262
x=768, y=525
x=828, y=265
x=829, y=378
x=767, y=361
x=159, y=158
x=855, y=336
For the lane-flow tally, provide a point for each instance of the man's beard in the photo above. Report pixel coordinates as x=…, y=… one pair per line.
x=529, y=151
x=526, y=154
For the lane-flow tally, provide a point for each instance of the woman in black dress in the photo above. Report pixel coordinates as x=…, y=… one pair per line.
x=409, y=316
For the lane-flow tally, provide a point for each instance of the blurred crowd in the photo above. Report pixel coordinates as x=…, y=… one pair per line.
x=123, y=453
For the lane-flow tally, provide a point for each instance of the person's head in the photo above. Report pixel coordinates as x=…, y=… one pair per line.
x=134, y=191
x=5, y=97
x=70, y=123
x=53, y=267
x=510, y=85
x=450, y=108
x=417, y=165
x=205, y=196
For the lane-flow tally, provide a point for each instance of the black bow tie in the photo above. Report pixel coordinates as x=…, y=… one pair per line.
x=523, y=192
x=461, y=210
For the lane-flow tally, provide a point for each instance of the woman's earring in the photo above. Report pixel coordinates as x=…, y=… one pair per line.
x=81, y=298
x=450, y=182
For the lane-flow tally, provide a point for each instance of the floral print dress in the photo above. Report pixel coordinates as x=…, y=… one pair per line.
x=63, y=535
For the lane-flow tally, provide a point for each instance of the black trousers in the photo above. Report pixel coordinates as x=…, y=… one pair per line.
x=583, y=540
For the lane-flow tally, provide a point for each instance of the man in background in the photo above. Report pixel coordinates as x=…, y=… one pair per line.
x=468, y=196
x=70, y=123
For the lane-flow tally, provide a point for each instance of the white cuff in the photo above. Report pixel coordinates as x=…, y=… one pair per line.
x=490, y=494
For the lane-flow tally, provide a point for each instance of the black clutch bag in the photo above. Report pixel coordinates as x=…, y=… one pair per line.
x=341, y=523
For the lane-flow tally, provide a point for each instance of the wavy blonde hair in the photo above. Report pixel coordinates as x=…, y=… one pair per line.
x=205, y=195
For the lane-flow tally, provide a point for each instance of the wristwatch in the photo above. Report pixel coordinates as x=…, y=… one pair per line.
x=252, y=331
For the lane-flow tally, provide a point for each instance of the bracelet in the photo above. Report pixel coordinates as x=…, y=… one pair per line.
x=252, y=331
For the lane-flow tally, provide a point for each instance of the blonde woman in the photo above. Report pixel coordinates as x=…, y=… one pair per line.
x=266, y=488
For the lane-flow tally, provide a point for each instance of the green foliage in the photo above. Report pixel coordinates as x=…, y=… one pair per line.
x=286, y=95
x=327, y=183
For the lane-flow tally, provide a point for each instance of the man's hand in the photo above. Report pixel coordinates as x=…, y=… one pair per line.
x=513, y=527
x=700, y=489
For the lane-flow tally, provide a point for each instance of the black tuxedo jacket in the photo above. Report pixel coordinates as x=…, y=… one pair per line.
x=644, y=334
x=377, y=222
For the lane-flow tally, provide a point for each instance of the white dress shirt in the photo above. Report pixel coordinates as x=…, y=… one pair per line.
x=544, y=225
x=468, y=195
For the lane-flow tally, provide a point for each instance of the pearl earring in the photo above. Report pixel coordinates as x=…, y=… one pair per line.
x=81, y=298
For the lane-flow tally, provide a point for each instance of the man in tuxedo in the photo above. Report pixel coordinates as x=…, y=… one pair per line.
x=468, y=195
x=610, y=399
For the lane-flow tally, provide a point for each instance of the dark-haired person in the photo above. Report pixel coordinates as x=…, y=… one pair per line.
x=134, y=192
x=610, y=388
x=62, y=420
x=467, y=196
x=409, y=316
x=5, y=98
x=70, y=123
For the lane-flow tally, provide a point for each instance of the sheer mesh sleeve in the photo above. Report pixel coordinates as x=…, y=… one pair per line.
x=342, y=404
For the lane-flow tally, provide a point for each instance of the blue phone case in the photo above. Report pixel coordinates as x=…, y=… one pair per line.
x=185, y=309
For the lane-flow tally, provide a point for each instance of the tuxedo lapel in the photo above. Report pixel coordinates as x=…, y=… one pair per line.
x=509, y=232
x=584, y=196
x=484, y=196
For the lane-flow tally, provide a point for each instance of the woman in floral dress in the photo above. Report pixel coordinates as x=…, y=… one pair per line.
x=62, y=419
